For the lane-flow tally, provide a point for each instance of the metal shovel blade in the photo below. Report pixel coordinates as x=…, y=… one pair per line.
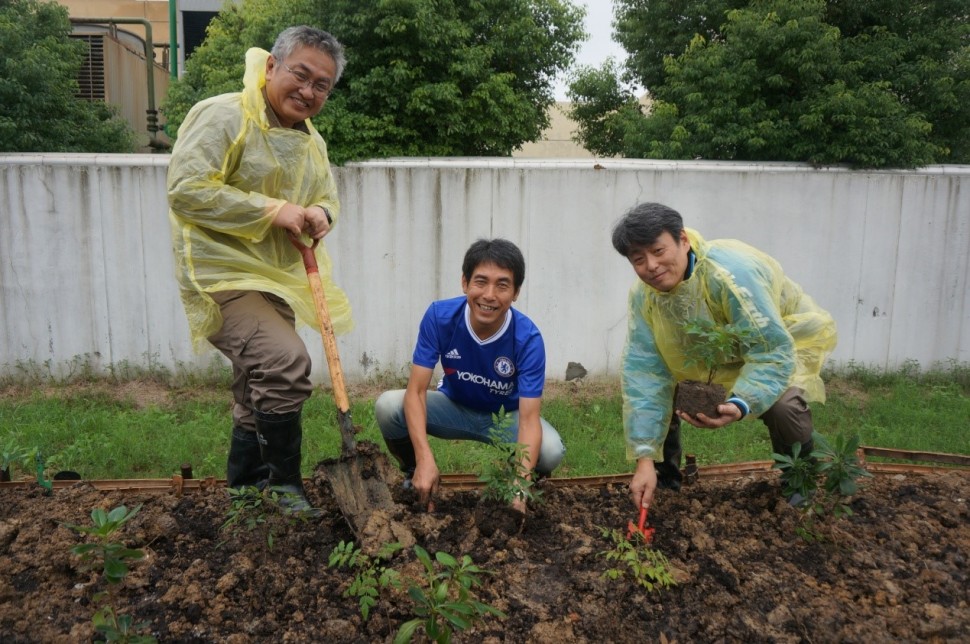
x=358, y=482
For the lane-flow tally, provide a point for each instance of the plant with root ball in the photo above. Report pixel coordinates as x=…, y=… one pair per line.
x=710, y=346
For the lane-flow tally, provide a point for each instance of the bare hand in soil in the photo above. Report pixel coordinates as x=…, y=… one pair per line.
x=425, y=481
x=728, y=414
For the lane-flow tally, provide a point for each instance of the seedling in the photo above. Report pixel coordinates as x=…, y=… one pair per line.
x=506, y=477
x=249, y=511
x=112, y=556
x=825, y=479
x=646, y=566
x=371, y=577
x=116, y=627
x=712, y=347
x=445, y=603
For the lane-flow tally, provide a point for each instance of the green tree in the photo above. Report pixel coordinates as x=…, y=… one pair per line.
x=870, y=83
x=424, y=77
x=40, y=110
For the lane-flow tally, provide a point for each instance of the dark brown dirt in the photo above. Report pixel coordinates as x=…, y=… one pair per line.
x=897, y=570
x=692, y=398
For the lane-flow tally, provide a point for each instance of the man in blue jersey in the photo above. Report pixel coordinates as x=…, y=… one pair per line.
x=492, y=357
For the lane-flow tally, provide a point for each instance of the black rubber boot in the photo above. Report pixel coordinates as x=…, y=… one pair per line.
x=245, y=466
x=403, y=452
x=280, y=443
x=669, y=476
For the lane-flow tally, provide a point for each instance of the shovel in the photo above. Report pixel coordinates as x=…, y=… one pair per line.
x=358, y=483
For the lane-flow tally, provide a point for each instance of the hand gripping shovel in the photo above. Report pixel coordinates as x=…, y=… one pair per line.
x=358, y=482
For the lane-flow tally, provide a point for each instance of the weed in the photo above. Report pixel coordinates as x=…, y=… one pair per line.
x=78, y=451
x=445, y=603
x=825, y=479
x=112, y=556
x=371, y=576
x=712, y=346
x=648, y=567
x=13, y=453
x=506, y=477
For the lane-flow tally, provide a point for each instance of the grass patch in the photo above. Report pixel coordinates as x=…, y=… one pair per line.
x=107, y=427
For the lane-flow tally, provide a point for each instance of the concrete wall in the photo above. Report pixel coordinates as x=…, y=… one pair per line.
x=86, y=268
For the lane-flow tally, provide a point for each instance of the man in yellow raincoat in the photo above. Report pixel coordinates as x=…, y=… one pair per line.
x=683, y=277
x=249, y=169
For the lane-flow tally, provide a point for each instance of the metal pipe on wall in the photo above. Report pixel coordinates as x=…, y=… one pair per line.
x=173, y=38
x=153, y=128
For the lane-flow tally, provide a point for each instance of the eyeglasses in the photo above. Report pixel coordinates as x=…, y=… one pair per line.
x=320, y=88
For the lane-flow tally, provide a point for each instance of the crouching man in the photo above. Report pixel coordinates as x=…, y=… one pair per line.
x=492, y=356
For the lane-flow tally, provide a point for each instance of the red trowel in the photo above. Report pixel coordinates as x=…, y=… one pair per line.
x=646, y=533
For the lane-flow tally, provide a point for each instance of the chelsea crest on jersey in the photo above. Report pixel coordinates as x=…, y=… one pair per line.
x=485, y=375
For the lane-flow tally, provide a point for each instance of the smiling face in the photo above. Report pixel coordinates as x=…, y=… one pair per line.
x=294, y=101
x=490, y=292
x=663, y=263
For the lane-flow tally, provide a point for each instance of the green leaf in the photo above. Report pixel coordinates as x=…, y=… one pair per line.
x=406, y=632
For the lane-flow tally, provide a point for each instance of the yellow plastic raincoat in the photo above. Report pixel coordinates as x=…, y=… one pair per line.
x=229, y=175
x=732, y=283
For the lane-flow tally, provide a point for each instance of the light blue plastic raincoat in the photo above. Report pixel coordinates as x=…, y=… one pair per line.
x=732, y=283
x=230, y=173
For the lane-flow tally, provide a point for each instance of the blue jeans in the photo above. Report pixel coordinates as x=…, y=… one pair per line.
x=451, y=421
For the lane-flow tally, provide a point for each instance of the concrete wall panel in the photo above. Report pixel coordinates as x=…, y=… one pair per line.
x=86, y=273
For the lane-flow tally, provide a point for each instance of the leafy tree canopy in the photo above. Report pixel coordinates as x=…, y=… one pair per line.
x=869, y=83
x=423, y=77
x=40, y=110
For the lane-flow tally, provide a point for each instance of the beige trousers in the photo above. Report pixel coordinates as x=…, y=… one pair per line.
x=270, y=362
x=789, y=421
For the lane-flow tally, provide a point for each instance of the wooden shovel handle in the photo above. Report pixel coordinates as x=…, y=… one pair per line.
x=323, y=317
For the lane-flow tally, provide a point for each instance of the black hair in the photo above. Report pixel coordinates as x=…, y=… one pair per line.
x=500, y=252
x=643, y=224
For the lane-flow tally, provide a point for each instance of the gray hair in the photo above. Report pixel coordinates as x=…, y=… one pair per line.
x=643, y=224
x=303, y=36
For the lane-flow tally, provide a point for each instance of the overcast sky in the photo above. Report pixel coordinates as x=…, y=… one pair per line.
x=600, y=46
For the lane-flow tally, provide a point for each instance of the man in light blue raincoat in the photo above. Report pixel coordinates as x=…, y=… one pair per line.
x=683, y=277
x=248, y=170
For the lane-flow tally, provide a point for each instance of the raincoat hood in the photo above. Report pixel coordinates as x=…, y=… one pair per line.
x=229, y=175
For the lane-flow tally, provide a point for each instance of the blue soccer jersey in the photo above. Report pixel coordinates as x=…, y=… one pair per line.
x=481, y=374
